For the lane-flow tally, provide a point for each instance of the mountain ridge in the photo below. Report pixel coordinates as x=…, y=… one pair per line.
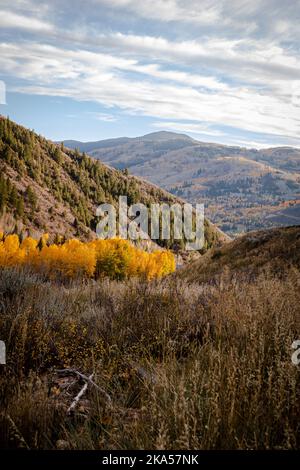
x=242, y=189
x=174, y=135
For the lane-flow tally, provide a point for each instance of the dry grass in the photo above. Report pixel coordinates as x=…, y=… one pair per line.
x=186, y=366
x=272, y=250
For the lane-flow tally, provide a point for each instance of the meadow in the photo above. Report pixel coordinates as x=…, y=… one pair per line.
x=166, y=363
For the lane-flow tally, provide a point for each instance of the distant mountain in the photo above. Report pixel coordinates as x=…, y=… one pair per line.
x=161, y=136
x=89, y=146
x=242, y=189
x=152, y=137
x=156, y=141
x=45, y=187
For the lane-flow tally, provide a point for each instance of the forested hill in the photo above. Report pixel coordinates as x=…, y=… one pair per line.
x=45, y=187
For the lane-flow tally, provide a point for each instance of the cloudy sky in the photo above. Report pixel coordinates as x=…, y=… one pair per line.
x=221, y=71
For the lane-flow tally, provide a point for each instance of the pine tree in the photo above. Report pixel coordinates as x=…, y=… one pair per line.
x=20, y=206
x=31, y=197
x=57, y=155
x=13, y=197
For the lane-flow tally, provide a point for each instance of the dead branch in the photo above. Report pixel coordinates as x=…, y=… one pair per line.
x=87, y=379
x=78, y=396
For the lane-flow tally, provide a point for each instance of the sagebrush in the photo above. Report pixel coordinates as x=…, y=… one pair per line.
x=186, y=366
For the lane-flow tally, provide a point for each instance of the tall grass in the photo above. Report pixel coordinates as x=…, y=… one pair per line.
x=187, y=366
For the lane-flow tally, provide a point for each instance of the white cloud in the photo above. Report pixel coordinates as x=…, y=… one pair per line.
x=251, y=60
x=249, y=18
x=102, y=116
x=189, y=127
x=224, y=62
x=204, y=12
x=103, y=78
x=9, y=19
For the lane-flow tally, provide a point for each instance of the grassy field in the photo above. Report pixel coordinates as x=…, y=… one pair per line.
x=175, y=364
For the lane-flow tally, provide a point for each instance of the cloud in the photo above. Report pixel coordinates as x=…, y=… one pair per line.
x=189, y=127
x=13, y=20
x=204, y=12
x=248, y=59
x=85, y=75
x=102, y=116
x=254, y=18
x=233, y=63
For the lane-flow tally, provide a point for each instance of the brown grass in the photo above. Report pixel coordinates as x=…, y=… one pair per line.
x=187, y=366
x=272, y=250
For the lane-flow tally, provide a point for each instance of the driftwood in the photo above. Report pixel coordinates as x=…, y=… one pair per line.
x=88, y=381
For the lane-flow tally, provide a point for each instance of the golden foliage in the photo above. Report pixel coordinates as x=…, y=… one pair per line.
x=116, y=258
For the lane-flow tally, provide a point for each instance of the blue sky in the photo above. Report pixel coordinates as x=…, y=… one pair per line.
x=220, y=71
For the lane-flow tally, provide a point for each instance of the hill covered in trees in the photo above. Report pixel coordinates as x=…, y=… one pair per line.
x=45, y=187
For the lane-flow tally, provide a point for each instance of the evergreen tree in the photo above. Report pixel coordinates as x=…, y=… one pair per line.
x=20, y=207
x=31, y=197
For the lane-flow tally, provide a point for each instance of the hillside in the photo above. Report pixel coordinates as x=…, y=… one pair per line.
x=242, y=189
x=273, y=251
x=45, y=187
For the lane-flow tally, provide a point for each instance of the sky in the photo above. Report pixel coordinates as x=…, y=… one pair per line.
x=220, y=71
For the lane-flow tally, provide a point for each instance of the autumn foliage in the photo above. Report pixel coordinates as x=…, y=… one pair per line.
x=116, y=258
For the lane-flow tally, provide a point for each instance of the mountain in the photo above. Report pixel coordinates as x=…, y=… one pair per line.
x=242, y=189
x=89, y=146
x=45, y=187
x=271, y=251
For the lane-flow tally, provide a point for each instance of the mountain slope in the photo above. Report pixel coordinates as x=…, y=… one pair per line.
x=273, y=251
x=45, y=187
x=241, y=188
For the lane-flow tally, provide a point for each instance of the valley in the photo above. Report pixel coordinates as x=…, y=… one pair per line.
x=135, y=327
x=108, y=345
